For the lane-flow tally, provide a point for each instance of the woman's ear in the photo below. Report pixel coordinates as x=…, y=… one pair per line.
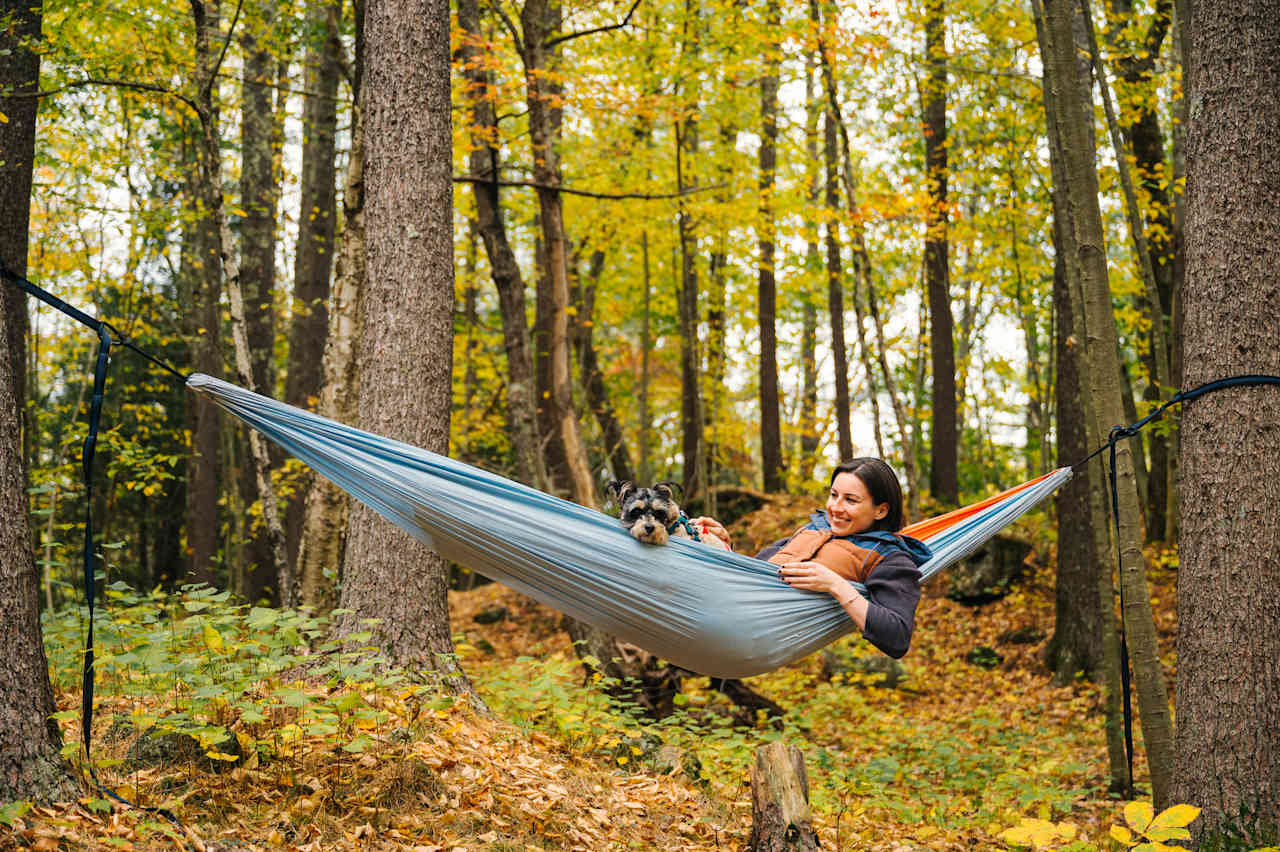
x=882, y=511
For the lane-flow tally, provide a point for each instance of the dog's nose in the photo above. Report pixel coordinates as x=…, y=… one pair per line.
x=648, y=528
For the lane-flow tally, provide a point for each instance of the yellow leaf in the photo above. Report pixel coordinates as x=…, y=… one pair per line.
x=622, y=760
x=1138, y=815
x=1177, y=816
x=213, y=639
x=4, y=119
x=1120, y=834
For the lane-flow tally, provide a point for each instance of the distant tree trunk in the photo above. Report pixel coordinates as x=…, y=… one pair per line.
x=808, y=419
x=259, y=198
x=325, y=515
x=405, y=358
x=204, y=316
x=1084, y=556
x=30, y=766
x=767, y=291
x=317, y=216
x=835, y=300
x=645, y=470
x=691, y=414
x=1228, y=741
x=484, y=159
x=944, y=439
x=1100, y=352
x=598, y=401
x=717, y=302
x=540, y=19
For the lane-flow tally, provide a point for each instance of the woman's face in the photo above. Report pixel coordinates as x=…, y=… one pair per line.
x=849, y=506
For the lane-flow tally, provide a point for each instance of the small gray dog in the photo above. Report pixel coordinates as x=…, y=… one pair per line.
x=651, y=514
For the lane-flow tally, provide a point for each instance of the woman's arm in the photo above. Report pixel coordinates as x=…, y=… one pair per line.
x=886, y=616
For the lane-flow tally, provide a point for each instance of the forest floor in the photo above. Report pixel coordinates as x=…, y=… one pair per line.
x=971, y=741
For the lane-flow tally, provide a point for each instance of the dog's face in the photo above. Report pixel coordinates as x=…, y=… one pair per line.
x=646, y=512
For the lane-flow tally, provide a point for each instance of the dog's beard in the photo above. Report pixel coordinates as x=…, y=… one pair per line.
x=650, y=533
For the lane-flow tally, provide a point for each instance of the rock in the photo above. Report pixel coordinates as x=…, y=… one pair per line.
x=990, y=573
x=879, y=670
x=668, y=760
x=166, y=748
x=490, y=615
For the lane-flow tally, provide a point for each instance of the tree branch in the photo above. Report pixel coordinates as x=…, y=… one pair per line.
x=512, y=29
x=559, y=39
x=611, y=196
x=226, y=43
x=119, y=84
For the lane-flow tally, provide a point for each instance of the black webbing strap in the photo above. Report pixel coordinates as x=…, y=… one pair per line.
x=1117, y=434
x=105, y=341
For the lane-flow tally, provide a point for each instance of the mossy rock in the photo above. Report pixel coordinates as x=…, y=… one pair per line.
x=169, y=748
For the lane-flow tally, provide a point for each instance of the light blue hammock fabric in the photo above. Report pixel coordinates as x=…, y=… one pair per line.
x=708, y=610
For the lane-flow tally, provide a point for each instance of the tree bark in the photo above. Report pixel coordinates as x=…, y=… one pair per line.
x=693, y=447
x=484, y=160
x=780, y=816
x=944, y=439
x=406, y=352
x=317, y=215
x=1228, y=740
x=30, y=765
x=539, y=20
x=835, y=299
x=767, y=289
x=325, y=516
x=615, y=442
x=1104, y=387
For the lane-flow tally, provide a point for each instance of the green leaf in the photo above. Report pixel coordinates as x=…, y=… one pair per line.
x=10, y=811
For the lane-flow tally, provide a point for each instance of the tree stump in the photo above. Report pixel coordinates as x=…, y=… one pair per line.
x=780, y=818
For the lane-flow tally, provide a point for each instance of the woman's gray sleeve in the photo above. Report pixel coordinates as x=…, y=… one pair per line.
x=893, y=591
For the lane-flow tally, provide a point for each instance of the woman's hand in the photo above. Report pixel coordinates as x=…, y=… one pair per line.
x=811, y=576
x=710, y=526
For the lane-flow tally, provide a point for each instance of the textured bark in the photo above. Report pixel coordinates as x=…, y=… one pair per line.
x=780, y=816
x=1100, y=340
x=30, y=766
x=835, y=299
x=259, y=199
x=317, y=214
x=1228, y=741
x=615, y=442
x=767, y=289
x=405, y=355
x=808, y=414
x=539, y=20
x=484, y=161
x=325, y=516
x=203, y=320
x=944, y=438
x=692, y=444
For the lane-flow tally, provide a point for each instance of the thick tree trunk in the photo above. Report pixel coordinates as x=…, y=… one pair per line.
x=539, y=20
x=259, y=198
x=317, y=215
x=944, y=438
x=484, y=159
x=1228, y=741
x=405, y=356
x=1104, y=387
x=203, y=263
x=780, y=816
x=325, y=516
x=767, y=289
x=30, y=765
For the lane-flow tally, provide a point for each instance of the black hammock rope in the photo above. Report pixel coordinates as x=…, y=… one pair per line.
x=108, y=336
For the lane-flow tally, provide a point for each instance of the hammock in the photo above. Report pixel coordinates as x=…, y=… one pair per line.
x=708, y=610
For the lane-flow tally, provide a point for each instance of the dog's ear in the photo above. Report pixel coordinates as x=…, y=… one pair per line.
x=618, y=490
x=667, y=489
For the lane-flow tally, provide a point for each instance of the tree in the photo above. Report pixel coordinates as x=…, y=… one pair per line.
x=405, y=356
x=767, y=292
x=30, y=766
x=944, y=441
x=1228, y=740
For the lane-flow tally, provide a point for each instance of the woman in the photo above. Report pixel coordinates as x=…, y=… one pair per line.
x=856, y=539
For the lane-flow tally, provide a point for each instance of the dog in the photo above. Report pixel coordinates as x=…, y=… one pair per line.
x=651, y=514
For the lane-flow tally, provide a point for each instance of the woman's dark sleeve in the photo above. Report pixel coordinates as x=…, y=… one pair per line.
x=770, y=549
x=893, y=591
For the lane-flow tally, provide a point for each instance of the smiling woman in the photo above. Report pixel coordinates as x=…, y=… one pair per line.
x=857, y=540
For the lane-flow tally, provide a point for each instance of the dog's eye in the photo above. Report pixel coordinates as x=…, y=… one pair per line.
x=635, y=514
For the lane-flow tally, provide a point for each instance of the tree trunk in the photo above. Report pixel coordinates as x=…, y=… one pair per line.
x=691, y=415
x=615, y=443
x=944, y=438
x=259, y=199
x=1228, y=741
x=204, y=319
x=317, y=215
x=780, y=816
x=405, y=356
x=1104, y=387
x=835, y=300
x=767, y=290
x=30, y=765
x=539, y=20
x=484, y=159
x=326, y=513
x=806, y=452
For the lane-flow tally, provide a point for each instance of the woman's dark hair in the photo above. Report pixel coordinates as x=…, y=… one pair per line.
x=883, y=486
